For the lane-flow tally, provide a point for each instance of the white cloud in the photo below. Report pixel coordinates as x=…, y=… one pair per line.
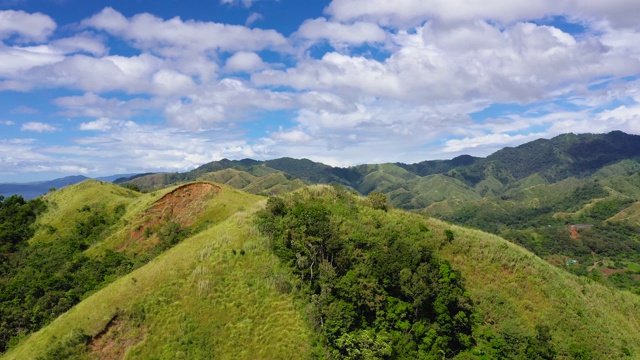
x=522, y=63
x=106, y=124
x=16, y=60
x=406, y=13
x=337, y=33
x=124, y=146
x=227, y=101
x=92, y=105
x=468, y=143
x=253, y=17
x=402, y=76
x=169, y=36
x=83, y=42
x=243, y=61
x=7, y=122
x=291, y=136
x=38, y=127
x=28, y=27
x=245, y=3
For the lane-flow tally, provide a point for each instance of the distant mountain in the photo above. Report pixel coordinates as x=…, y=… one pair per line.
x=32, y=190
x=530, y=194
x=113, y=178
x=35, y=189
x=559, y=158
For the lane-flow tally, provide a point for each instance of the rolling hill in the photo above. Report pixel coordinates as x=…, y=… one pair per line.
x=224, y=291
x=202, y=265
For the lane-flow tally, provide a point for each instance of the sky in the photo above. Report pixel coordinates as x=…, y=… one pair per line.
x=99, y=87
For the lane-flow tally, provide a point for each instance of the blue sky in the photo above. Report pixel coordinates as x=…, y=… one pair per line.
x=105, y=87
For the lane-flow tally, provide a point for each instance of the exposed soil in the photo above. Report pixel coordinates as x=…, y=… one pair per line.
x=607, y=271
x=573, y=232
x=112, y=343
x=182, y=205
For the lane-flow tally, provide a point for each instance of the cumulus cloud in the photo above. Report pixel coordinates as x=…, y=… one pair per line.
x=291, y=136
x=84, y=42
x=406, y=13
x=127, y=146
x=467, y=143
x=93, y=105
x=409, y=76
x=106, y=124
x=15, y=60
x=146, y=31
x=522, y=63
x=144, y=73
x=226, y=101
x=337, y=33
x=28, y=27
x=38, y=127
x=243, y=61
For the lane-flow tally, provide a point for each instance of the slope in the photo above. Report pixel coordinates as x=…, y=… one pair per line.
x=215, y=295
x=521, y=304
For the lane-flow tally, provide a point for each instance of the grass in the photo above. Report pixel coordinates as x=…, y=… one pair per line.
x=222, y=294
x=64, y=206
x=514, y=289
x=198, y=300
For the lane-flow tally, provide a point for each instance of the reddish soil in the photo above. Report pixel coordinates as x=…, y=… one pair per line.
x=607, y=271
x=575, y=235
x=113, y=342
x=182, y=205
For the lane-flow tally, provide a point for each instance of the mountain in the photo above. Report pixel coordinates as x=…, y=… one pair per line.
x=538, y=255
x=35, y=189
x=201, y=270
x=531, y=194
x=559, y=158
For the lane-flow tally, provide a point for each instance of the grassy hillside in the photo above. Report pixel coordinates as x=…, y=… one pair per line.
x=215, y=295
x=515, y=294
x=204, y=298
x=513, y=290
x=222, y=292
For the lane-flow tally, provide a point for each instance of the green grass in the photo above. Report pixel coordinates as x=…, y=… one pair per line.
x=198, y=300
x=205, y=299
x=64, y=206
x=514, y=289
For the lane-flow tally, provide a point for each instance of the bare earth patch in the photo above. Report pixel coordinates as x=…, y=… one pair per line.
x=182, y=205
x=112, y=343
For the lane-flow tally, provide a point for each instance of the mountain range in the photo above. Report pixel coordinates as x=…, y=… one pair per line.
x=530, y=253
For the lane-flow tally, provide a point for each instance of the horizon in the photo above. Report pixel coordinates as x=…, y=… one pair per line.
x=96, y=88
x=110, y=175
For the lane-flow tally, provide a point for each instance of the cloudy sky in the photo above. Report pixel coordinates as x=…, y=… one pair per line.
x=104, y=87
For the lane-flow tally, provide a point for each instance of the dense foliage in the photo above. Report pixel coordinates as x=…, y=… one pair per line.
x=16, y=217
x=375, y=287
x=42, y=280
x=539, y=230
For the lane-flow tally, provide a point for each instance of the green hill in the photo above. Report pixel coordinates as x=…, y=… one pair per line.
x=198, y=267
x=530, y=194
x=215, y=295
x=278, y=283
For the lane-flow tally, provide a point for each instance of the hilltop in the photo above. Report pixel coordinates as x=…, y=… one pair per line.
x=197, y=268
x=531, y=194
x=218, y=287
